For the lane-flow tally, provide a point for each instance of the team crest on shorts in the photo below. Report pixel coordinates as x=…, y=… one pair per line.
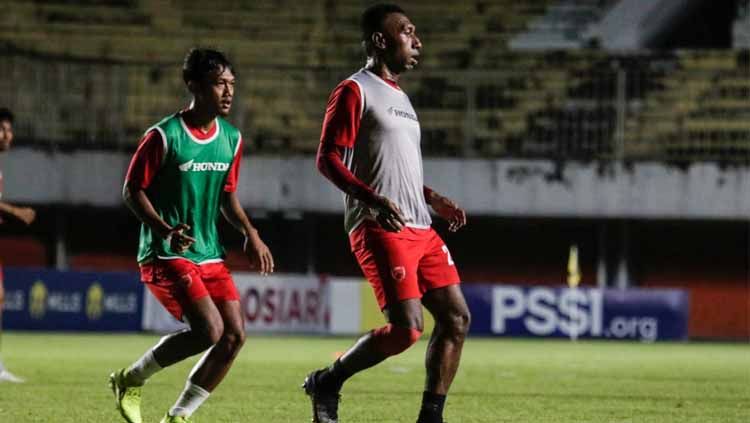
x=398, y=273
x=187, y=279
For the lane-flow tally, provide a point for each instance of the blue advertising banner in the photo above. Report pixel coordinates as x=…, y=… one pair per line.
x=40, y=299
x=637, y=314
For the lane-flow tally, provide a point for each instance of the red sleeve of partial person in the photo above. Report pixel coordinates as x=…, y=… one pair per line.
x=146, y=161
x=234, y=171
x=340, y=128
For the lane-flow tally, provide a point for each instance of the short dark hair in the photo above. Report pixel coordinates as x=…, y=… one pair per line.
x=200, y=62
x=6, y=114
x=373, y=17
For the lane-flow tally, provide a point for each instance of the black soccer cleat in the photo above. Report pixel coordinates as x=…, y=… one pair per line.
x=427, y=417
x=325, y=405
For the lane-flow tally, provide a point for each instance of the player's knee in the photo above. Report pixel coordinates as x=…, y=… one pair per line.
x=391, y=340
x=458, y=324
x=234, y=341
x=215, y=331
x=208, y=333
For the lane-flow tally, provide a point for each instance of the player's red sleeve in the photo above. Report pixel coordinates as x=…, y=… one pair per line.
x=146, y=161
x=343, y=115
x=332, y=166
x=234, y=172
x=340, y=128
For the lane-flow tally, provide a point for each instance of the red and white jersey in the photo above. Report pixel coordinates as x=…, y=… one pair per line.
x=375, y=123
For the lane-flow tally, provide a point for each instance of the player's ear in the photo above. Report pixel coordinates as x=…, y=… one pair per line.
x=378, y=40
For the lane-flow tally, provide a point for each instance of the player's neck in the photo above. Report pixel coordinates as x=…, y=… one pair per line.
x=200, y=118
x=377, y=66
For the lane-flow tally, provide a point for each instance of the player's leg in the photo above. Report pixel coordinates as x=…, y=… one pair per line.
x=219, y=359
x=452, y=319
x=178, y=287
x=439, y=280
x=214, y=365
x=205, y=329
x=206, y=326
x=405, y=325
x=390, y=266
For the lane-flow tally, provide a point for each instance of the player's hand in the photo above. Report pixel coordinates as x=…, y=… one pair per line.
x=258, y=253
x=388, y=214
x=179, y=242
x=25, y=214
x=448, y=210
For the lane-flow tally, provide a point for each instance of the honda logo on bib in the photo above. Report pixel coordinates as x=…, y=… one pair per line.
x=193, y=166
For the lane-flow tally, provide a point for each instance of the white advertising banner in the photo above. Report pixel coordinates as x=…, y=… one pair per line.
x=285, y=303
x=346, y=305
x=278, y=303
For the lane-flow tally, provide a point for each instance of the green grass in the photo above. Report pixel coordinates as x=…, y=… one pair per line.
x=499, y=381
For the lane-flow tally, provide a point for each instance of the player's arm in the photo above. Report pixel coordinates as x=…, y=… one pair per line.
x=446, y=208
x=340, y=128
x=24, y=214
x=143, y=167
x=255, y=249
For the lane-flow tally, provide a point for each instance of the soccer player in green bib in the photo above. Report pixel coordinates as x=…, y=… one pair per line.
x=183, y=175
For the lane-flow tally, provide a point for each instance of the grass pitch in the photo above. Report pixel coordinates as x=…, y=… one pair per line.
x=515, y=381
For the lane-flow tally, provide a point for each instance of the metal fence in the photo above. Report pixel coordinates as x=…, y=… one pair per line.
x=692, y=106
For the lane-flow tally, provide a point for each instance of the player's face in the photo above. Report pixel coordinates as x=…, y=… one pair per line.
x=402, y=46
x=217, y=91
x=6, y=134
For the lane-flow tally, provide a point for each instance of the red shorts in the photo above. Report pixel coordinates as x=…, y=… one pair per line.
x=178, y=283
x=403, y=265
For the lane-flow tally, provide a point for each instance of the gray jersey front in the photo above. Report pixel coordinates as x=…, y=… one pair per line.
x=387, y=155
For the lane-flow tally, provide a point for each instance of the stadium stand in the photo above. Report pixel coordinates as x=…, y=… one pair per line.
x=110, y=72
x=294, y=58
x=565, y=25
x=699, y=112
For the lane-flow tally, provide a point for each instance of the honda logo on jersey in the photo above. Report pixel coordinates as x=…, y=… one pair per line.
x=203, y=167
x=400, y=113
